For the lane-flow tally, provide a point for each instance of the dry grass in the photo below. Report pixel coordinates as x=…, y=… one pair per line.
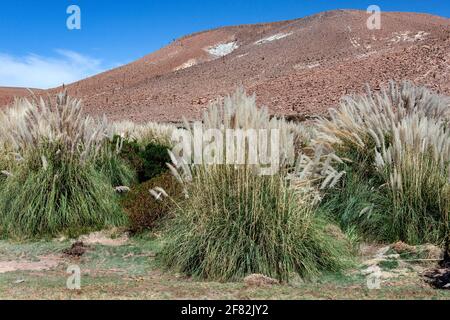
x=240, y=112
x=145, y=134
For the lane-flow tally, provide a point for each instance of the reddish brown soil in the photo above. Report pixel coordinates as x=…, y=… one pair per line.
x=7, y=94
x=324, y=57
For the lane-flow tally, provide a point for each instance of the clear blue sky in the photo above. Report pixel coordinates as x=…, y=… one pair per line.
x=34, y=35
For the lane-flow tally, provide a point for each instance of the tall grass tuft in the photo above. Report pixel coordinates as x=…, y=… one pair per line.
x=62, y=198
x=240, y=112
x=55, y=187
x=397, y=144
x=112, y=165
x=416, y=170
x=235, y=222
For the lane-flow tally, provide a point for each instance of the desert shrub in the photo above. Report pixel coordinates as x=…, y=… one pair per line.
x=146, y=161
x=130, y=152
x=396, y=144
x=155, y=158
x=235, y=222
x=143, y=210
x=56, y=187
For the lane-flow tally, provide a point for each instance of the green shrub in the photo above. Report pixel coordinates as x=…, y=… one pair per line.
x=155, y=158
x=236, y=223
x=143, y=210
x=148, y=161
x=131, y=153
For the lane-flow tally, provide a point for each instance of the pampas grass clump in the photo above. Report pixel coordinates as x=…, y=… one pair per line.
x=55, y=186
x=113, y=166
x=63, y=198
x=360, y=119
x=416, y=170
x=397, y=142
x=240, y=112
x=235, y=222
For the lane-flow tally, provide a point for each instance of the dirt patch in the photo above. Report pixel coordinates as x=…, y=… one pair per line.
x=400, y=260
x=113, y=238
x=44, y=263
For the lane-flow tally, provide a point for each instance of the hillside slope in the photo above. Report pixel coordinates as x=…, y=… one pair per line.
x=297, y=67
x=7, y=94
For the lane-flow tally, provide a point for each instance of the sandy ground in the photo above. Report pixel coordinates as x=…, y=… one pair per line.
x=42, y=263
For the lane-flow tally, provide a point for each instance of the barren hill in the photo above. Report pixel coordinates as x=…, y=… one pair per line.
x=7, y=94
x=295, y=67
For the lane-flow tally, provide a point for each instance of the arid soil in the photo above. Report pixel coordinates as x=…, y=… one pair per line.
x=7, y=95
x=300, y=67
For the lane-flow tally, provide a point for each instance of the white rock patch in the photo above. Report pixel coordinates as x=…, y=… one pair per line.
x=187, y=64
x=421, y=35
x=275, y=37
x=222, y=49
x=243, y=55
x=407, y=36
x=355, y=42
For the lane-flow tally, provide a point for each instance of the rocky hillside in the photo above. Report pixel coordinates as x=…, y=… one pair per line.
x=299, y=67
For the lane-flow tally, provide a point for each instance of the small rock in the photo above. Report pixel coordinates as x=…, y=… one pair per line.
x=122, y=189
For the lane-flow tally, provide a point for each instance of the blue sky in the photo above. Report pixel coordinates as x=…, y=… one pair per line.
x=37, y=49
